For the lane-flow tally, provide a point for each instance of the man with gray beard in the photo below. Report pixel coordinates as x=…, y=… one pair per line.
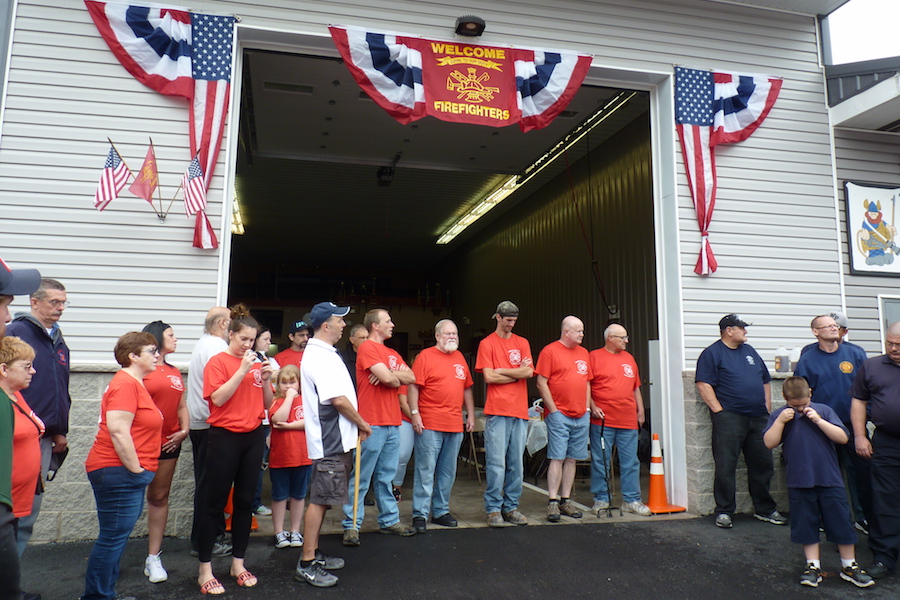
x=443, y=384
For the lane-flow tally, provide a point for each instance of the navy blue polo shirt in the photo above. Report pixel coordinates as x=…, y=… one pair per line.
x=738, y=377
x=878, y=383
x=809, y=455
x=830, y=375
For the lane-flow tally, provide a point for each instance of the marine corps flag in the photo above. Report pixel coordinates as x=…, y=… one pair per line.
x=411, y=77
x=147, y=178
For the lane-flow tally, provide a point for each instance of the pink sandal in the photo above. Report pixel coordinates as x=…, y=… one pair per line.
x=208, y=587
x=243, y=579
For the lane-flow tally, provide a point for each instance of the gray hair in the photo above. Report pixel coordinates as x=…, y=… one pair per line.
x=47, y=284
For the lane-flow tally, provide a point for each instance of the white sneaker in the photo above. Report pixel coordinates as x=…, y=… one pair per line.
x=282, y=539
x=154, y=570
x=296, y=539
x=262, y=511
x=637, y=507
x=600, y=506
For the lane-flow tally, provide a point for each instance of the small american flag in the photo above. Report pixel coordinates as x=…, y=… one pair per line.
x=194, y=188
x=112, y=181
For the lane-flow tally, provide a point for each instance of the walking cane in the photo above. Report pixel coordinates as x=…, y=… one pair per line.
x=356, y=481
x=608, y=466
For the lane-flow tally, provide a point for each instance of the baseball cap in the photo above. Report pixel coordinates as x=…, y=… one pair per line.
x=732, y=320
x=18, y=282
x=507, y=309
x=840, y=318
x=323, y=311
x=298, y=326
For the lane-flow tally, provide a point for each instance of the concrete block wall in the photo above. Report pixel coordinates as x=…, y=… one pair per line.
x=68, y=512
x=700, y=466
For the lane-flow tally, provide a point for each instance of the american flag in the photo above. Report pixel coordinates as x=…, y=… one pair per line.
x=193, y=189
x=112, y=181
x=711, y=109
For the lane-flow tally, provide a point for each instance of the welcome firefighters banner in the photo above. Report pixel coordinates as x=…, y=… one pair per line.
x=464, y=83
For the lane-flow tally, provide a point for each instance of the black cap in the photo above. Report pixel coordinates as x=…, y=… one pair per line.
x=732, y=320
x=298, y=326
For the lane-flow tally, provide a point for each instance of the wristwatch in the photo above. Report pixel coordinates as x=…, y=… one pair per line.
x=414, y=412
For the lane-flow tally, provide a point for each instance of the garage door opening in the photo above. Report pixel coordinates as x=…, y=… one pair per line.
x=340, y=202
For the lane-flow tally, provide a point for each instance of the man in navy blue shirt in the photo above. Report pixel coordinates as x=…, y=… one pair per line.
x=877, y=389
x=733, y=381
x=830, y=366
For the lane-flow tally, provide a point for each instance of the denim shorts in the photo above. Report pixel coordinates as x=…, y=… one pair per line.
x=567, y=436
x=290, y=482
x=825, y=506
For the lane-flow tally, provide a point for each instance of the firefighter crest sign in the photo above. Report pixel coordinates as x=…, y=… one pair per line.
x=872, y=237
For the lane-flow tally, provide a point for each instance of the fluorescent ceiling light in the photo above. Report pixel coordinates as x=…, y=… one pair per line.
x=495, y=197
x=237, y=221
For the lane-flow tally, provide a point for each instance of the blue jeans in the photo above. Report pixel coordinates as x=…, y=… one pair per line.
x=377, y=465
x=407, y=439
x=119, y=494
x=504, y=445
x=436, y=455
x=629, y=465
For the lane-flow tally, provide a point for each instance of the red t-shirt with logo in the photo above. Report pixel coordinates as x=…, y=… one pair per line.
x=289, y=357
x=245, y=410
x=378, y=404
x=568, y=372
x=128, y=394
x=441, y=378
x=287, y=447
x=166, y=388
x=494, y=352
x=28, y=430
x=615, y=377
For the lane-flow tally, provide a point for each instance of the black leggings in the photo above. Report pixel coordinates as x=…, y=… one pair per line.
x=231, y=459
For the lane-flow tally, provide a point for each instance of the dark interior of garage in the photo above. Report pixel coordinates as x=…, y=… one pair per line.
x=340, y=202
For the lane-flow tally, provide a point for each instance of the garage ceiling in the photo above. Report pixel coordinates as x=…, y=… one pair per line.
x=311, y=147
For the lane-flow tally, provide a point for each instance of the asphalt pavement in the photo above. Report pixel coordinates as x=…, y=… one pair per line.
x=649, y=559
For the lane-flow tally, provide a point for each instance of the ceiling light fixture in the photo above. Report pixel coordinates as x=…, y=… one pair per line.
x=501, y=192
x=470, y=26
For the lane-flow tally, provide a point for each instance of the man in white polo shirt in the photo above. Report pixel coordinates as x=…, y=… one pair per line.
x=332, y=427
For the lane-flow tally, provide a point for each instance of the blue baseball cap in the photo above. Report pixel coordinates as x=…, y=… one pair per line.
x=323, y=311
x=18, y=282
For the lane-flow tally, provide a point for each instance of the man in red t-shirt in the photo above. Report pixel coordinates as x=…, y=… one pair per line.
x=443, y=385
x=504, y=359
x=299, y=336
x=564, y=381
x=617, y=413
x=379, y=372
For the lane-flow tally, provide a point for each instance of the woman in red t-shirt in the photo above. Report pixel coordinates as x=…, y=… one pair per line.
x=236, y=385
x=16, y=371
x=123, y=459
x=166, y=388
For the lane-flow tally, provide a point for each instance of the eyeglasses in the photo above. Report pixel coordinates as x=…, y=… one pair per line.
x=151, y=351
x=25, y=366
x=58, y=303
x=832, y=326
x=624, y=338
x=893, y=345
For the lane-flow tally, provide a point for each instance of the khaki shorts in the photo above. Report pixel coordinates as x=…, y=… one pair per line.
x=328, y=484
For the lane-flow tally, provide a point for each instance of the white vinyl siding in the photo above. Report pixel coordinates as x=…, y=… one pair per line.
x=773, y=225
x=873, y=157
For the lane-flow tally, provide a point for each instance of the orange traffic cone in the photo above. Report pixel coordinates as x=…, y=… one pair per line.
x=658, y=502
x=229, y=510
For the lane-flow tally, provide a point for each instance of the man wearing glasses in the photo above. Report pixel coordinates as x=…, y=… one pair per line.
x=830, y=366
x=733, y=381
x=876, y=390
x=48, y=394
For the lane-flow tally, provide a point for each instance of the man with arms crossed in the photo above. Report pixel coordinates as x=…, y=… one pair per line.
x=332, y=428
x=564, y=381
x=504, y=359
x=379, y=372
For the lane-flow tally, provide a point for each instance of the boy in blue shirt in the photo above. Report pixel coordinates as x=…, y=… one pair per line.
x=809, y=432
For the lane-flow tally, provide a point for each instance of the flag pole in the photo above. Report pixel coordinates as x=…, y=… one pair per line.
x=161, y=215
x=172, y=202
x=130, y=174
